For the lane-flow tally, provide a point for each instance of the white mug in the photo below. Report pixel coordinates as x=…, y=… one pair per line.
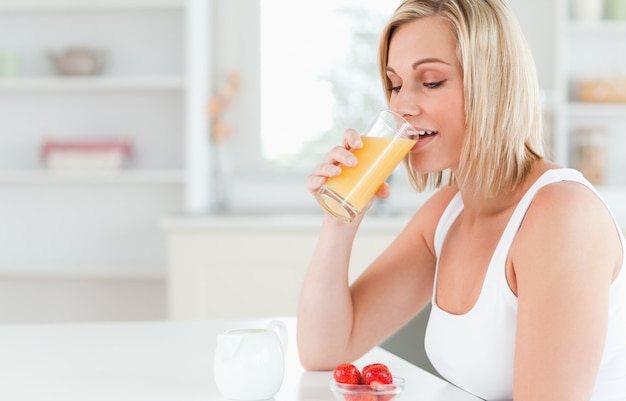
x=249, y=364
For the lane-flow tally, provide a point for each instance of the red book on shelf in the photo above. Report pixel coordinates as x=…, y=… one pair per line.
x=81, y=154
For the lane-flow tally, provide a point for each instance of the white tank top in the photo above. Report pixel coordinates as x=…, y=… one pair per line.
x=475, y=351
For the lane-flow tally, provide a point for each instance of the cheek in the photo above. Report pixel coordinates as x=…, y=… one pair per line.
x=453, y=104
x=453, y=114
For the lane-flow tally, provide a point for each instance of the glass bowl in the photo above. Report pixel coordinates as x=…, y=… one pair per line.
x=365, y=392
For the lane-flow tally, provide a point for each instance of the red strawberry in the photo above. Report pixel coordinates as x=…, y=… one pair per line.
x=347, y=373
x=377, y=374
x=374, y=365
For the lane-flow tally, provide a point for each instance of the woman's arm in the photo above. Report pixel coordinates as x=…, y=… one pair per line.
x=339, y=323
x=564, y=258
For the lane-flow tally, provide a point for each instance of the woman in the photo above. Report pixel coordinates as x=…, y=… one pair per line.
x=522, y=260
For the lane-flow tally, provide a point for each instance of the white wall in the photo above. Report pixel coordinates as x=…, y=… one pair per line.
x=537, y=20
x=235, y=47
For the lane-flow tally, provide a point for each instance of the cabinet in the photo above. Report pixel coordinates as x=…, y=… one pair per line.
x=153, y=91
x=590, y=101
x=253, y=266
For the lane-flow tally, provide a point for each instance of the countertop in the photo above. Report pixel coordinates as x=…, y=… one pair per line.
x=155, y=361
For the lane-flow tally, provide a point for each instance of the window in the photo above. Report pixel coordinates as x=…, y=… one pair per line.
x=308, y=71
x=319, y=76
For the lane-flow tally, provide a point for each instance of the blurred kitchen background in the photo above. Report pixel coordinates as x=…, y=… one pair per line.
x=153, y=152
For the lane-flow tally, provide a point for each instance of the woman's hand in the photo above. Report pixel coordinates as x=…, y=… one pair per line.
x=334, y=160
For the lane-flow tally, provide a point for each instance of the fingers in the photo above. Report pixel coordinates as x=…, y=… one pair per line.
x=330, y=167
x=383, y=192
x=334, y=160
x=340, y=155
x=320, y=174
x=352, y=140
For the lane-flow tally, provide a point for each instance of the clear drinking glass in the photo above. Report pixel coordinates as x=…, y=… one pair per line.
x=385, y=143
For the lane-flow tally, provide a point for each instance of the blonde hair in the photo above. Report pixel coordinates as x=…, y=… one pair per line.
x=502, y=104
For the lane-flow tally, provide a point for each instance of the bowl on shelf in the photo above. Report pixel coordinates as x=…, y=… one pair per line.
x=365, y=392
x=77, y=61
x=611, y=90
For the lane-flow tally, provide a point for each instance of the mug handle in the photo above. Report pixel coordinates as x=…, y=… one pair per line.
x=280, y=329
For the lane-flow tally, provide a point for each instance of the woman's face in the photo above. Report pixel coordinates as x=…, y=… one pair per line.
x=427, y=89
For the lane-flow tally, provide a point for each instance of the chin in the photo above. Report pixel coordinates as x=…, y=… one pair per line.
x=427, y=165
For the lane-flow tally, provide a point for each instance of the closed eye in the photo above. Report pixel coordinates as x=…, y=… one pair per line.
x=433, y=85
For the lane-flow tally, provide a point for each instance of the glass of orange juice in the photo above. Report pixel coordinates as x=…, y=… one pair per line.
x=387, y=141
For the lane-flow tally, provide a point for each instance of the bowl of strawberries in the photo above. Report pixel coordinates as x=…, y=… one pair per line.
x=372, y=383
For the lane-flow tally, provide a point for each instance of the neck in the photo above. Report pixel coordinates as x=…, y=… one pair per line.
x=481, y=206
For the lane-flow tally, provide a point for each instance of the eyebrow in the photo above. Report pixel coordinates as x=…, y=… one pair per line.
x=420, y=62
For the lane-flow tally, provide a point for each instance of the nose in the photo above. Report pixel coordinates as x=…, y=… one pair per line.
x=405, y=103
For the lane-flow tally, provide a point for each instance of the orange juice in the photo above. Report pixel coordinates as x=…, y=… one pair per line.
x=356, y=185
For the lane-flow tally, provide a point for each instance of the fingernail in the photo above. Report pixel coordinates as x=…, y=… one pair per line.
x=358, y=142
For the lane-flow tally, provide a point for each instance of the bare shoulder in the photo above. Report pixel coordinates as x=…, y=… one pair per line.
x=563, y=259
x=568, y=204
x=567, y=227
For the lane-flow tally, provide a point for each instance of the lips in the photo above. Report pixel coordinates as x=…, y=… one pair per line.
x=423, y=134
x=424, y=137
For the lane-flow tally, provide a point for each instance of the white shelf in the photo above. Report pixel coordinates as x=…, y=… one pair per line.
x=101, y=223
x=121, y=177
x=39, y=6
x=586, y=109
x=129, y=272
x=586, y=49
x=602, y=27
x=95, y=83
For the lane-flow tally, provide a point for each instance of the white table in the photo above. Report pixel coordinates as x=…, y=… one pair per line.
x=155, y=361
